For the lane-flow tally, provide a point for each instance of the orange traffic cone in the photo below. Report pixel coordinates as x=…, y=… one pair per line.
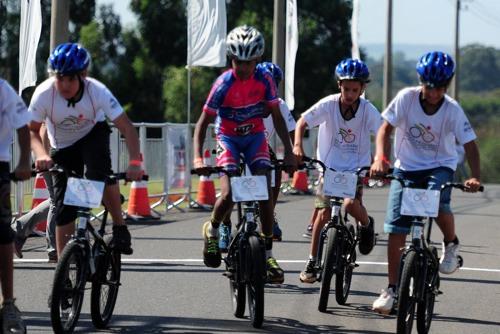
x=299, y=181
x=40, y=194
x=206, y=187
x=138, y=202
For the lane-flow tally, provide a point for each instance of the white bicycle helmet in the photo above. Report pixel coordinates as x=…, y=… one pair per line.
x=245, y=43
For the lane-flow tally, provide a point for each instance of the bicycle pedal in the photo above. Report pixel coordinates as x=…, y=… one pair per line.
x=355, y=265
x=439, y=292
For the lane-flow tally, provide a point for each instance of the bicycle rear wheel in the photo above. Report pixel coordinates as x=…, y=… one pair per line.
x=425, y=309
x=68, y=288
x=255, y=266
x=329, y=266
x=105, y=286
x=346, y=262
x=407, y=294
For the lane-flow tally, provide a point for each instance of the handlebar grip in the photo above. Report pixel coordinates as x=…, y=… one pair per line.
x=481, y=189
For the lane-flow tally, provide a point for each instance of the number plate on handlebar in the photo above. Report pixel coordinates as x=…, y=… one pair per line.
x=420, y=202
x=249, y=188
x=340, y=184
x=84, y=193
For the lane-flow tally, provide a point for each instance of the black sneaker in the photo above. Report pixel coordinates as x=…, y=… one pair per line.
x=211, y=252
x=122, y=240
x=367, y=237
x=275, y=275
x=18, y=246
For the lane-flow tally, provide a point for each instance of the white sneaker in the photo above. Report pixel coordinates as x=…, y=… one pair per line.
x=384, y=303
x=448, y=263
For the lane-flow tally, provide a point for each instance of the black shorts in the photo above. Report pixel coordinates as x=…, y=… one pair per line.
x=6, y=232
x=91, y=153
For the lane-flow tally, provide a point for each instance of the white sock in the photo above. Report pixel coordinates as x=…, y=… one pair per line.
x=212, y=232
x=269, y=253
x=312, y=258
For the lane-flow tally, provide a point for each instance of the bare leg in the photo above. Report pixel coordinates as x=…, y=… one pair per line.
x=111, y=199
x=394, y=250
x=63, y=234
x=322, y=218
x=7, y=270
x=446, y=222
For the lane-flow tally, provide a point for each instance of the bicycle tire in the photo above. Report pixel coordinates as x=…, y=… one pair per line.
x=343, y=275
x=425, y=309
x=406, y=295
x=68, y=288
x=329, y=262
x=255, y=280
x=105, y=286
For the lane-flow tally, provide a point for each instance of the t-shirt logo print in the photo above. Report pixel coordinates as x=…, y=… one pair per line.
x=345, y=136
x=420, y=130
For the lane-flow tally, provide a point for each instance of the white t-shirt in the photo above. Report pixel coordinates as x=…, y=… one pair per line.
x=426, y=141
x=343, y=145
x=67, y=124
x=287, y=116
x=13, y=115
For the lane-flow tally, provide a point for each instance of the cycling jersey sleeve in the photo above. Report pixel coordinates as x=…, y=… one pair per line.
x=318, y=113
x=462, y=128
x=105, y=100
x=37, y=108
x=287, y=116
x=13, y=107
x=218, y=93
x=374, y=118
x=394, y=113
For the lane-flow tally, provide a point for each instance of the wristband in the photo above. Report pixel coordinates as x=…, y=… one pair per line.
x=383, y=159
x=137, y=163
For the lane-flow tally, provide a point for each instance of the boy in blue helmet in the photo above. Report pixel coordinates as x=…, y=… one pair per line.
x=348, y=120
x=74, y=108
x=427, y=124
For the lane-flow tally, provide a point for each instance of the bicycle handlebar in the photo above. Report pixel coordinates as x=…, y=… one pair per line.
x=208, y=170
x=115, y=176
x=12, y=175
x=310, y=161
x=403, y=183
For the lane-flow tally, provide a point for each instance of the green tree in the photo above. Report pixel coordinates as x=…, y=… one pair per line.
x=480, y=68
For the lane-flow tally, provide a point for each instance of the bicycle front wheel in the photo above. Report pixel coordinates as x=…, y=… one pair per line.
x=68, y=288
x=425, y=309
x=346, y=262
x=105, y=286
x=407, y=294
x=255, y=266
x=329, y=266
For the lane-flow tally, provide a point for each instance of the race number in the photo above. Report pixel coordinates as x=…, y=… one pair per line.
x=84, y=193
x=249, y=188
x=340, y=184
x=420, y=202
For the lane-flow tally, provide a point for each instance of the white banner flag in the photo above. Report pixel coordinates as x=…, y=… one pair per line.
x=292, y=44
x=206, y=33
x=354, y=30
x=29, y=35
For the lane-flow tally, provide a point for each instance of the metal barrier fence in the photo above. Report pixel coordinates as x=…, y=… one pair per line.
x=165, y=155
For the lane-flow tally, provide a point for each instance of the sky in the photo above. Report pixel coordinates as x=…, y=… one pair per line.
x=430, y=22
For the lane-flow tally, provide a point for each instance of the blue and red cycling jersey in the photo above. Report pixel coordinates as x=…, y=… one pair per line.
x=241, y=105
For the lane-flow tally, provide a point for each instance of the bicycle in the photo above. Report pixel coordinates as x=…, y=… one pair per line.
x=245, y=260
x=87, y=257
x=341, y=239
x=419, y=280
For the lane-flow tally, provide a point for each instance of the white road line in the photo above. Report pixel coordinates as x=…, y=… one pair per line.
x=159, y=261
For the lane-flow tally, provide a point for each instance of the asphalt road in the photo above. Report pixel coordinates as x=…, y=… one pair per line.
x=167, y=289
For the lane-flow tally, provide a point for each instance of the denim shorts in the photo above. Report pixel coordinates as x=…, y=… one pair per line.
x=394, y=221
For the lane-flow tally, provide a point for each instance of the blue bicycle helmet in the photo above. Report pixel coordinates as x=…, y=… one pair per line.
x=69, y=58
x=352, y=69
x=436, y=69
x=274, y=69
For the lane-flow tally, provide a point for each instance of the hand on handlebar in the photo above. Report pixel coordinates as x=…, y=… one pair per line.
x=134, y=173
x=378, y=168
x=290, y=162
x=472, y=185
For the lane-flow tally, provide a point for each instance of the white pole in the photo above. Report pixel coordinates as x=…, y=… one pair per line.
x=188, y=139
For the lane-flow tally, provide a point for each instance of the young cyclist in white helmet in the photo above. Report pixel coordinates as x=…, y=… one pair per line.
x=239, y=100
x=430, y=151
x=74, y=108
x=344, y=113
x=225, y=227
